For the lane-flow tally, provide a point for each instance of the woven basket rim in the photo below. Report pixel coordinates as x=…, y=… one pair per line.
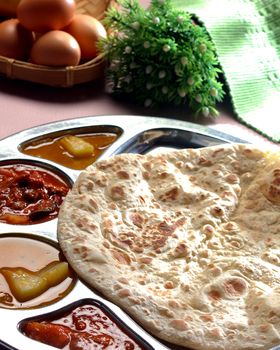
x=30, y=65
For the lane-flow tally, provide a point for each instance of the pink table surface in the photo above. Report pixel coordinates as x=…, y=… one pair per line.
x=25, y=105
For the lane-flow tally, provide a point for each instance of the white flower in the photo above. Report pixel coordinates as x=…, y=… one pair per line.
x=128, y=49
x=162, y=74
x=198, y=98
x=213, y=92
x=190, y=81
x=148, y=102
x=156, y=20
x=202, y=48
x=181, y=92
x=135, y=25
x=148, y=69
x=166, y=48
x=180, y=19
x=115, y=65
x=149, y=86
x=205, y=111
x=164, y=90
x=184, y=61
x=146, y=45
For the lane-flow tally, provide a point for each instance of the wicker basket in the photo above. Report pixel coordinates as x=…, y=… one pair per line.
x=66, y=76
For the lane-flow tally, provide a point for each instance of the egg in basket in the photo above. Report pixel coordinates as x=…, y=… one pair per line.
x=52, y=42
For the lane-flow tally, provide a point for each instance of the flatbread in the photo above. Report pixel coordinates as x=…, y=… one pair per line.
x=187, y=242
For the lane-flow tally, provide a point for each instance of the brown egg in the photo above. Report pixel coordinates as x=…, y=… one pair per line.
x=87, y=31
x=56, y=48
x=45, y=15
x=15, y=40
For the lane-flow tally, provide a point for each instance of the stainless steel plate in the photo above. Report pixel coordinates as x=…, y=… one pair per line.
x=137, y=135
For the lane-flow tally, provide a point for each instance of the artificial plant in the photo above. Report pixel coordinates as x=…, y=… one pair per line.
x=161, y=55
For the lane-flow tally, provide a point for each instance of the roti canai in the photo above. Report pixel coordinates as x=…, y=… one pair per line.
x=187, y=242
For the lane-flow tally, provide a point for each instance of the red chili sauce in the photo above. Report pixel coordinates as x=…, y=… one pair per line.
x=29, y=195
x=85, y=328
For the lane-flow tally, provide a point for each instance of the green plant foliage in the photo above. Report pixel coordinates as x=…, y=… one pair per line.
x=161, y=55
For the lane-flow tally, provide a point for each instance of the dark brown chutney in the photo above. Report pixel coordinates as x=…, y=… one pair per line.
x=29, y=194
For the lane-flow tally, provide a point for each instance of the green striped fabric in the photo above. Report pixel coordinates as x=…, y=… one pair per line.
x=247, y=38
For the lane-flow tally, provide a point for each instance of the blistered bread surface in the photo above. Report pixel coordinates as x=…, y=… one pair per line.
x=187, y=242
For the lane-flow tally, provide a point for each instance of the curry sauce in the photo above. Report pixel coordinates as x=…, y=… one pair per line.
x=56, y=150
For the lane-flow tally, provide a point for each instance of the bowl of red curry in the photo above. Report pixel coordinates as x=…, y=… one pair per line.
x=30, y=193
